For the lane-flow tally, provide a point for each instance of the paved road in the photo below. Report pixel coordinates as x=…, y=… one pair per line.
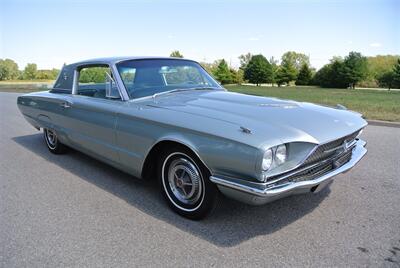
x=72, y=210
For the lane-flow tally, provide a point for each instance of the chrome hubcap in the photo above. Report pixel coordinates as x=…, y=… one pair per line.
x=184, y=181
x=51, y=138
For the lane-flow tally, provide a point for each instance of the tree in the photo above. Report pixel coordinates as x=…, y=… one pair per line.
x=297, y=60
x=222, y=73
x=30, y=71
x=331, y=75
x=209, y=67
x=47, y=74
x=355, y=68
x=8, y=69
x=274, y=67
x=176, y=54
x=93, y=75
x=237, y=76
x=386, y=80
x=396, y=74
x=244, y=60
x=380, y=64
x=305, y=75
x=286, y=72
x=258, y=70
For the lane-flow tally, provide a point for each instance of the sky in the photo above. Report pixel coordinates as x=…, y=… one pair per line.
x=52, y=32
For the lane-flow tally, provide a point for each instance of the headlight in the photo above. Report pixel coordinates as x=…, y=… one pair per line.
x=274, y=157
x=280, y=154
x=267, y=160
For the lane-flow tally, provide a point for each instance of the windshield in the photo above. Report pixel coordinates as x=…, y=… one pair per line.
x=148, y=77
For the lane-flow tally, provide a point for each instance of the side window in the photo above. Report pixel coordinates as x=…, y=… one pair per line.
x=97, y=82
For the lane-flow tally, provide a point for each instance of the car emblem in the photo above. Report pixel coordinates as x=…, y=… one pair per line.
x=341, y=148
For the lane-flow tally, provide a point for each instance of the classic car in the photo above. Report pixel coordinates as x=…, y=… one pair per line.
x=168, y=119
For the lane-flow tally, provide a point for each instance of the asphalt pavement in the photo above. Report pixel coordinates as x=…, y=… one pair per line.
x=72, y=210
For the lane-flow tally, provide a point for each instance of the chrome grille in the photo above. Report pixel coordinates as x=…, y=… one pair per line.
x=319, y=162
x=326, y=151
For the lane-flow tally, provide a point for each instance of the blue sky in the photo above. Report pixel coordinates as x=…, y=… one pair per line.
x=51, y=32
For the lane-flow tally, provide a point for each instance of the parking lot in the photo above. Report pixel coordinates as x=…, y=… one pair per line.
x=71, y=210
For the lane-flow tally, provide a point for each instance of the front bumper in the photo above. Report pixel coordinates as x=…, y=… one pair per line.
x=260, y=193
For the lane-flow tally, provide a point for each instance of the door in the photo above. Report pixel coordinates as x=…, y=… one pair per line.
x=92, y=113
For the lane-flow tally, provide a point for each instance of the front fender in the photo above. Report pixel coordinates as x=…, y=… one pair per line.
x=221, y=156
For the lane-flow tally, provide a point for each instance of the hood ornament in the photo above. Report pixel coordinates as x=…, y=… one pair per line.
x=245, y=130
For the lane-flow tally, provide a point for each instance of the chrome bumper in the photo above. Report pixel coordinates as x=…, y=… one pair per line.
x=260, y=193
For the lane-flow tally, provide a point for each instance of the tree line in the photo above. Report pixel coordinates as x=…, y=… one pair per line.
x=9, y=71
x=293, y=68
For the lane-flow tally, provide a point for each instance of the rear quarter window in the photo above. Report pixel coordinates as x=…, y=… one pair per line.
x=64, y=81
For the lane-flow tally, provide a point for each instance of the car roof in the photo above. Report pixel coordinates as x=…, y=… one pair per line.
x=114, y=60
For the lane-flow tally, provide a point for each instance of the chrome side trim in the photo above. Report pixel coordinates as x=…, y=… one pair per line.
x=268, y=193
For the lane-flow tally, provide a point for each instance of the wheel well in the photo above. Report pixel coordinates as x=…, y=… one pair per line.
x=150, y=163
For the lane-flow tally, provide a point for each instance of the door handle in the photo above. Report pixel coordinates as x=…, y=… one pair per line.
x=65, y=105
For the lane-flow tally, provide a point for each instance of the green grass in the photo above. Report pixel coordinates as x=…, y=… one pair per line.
x=373, y=104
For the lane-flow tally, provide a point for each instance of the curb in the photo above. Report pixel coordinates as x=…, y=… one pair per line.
x=383, y=123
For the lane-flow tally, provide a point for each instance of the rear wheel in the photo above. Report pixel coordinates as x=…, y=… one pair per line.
x=52, y=142
x=185, y=183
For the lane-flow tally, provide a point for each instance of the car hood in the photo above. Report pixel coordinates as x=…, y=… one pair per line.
x=266, y=118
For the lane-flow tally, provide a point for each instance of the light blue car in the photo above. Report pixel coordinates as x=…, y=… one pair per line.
x=168, y=119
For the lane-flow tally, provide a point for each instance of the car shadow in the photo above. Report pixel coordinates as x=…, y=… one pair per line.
x=230, y=224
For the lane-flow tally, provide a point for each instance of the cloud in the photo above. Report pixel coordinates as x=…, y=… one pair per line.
x=253, y=38
x=170, y=36
x=375, y=45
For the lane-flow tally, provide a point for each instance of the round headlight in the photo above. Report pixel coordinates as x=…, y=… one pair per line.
x=267, y=160
x=280, y=154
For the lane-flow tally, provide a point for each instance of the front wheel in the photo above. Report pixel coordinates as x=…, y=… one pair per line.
x=185, y=183
x=52, y=142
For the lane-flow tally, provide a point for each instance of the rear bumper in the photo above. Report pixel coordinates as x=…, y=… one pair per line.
x=261, y=193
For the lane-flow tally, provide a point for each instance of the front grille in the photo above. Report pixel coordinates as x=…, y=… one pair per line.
x=325, y=151
x=308, y=174
x=311, y=168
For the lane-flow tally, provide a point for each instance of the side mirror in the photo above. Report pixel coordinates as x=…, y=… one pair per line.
x=111, y=88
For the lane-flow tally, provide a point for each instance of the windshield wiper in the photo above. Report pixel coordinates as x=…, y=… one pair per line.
x=182, y=89
x=169, y=91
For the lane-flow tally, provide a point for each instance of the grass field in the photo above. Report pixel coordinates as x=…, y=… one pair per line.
x=25, y=86
x=373, y=104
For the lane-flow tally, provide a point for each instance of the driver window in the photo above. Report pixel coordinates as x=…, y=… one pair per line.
x=97, y=82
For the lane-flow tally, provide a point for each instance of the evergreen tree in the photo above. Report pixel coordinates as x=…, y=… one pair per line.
x=305, y=75
x=396, y=75
x=355, y=68
x=222, y=73
x=258, y=70
x=176, y=54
